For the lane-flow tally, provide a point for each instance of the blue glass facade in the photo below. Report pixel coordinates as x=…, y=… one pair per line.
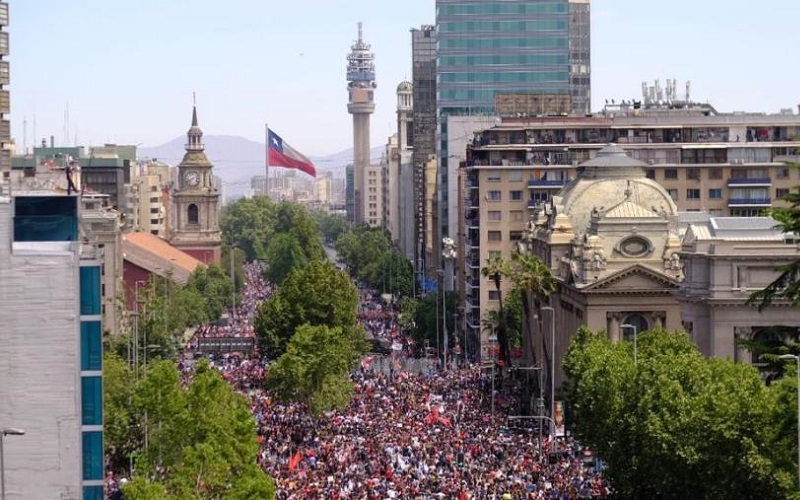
x=490, y=47
x=91, y=342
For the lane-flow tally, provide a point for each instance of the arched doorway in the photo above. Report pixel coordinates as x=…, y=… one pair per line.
x=638, y=322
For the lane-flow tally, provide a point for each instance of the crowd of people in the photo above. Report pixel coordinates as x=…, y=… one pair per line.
x=405, y=434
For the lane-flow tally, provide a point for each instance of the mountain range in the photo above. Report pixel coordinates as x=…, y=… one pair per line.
x=236, y=159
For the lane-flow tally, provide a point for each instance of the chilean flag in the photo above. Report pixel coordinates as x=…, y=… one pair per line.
x=282, y=154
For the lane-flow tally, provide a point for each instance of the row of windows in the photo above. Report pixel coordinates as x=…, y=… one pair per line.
x=504, y=77
x=521, y=59
x=497, y=195
x=740, y=193
x=503, y=8
x=496, y=236
x=500, y=26
x=511, y=176
x=716, y=173
x=504, y=43
x=483, y=96
x=497, y=215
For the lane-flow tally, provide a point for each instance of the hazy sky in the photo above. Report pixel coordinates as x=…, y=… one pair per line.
x=128, y=69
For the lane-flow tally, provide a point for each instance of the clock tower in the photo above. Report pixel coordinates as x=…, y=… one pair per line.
x=195, y=201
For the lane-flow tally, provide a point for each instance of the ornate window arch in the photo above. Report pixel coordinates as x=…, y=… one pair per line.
x=637, y=320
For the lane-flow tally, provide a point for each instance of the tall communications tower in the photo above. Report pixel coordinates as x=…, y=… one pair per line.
x=361, y=90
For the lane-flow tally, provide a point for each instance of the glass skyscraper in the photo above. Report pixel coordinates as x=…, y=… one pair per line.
x=486, y=48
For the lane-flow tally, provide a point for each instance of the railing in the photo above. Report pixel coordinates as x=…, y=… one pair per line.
x=749, y=201
x=745, y=181
x=546, y=183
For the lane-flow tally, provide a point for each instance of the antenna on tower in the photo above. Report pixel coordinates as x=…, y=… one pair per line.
x=25, y=135
x=194, y=99
x=66, y=124
x=360, y=36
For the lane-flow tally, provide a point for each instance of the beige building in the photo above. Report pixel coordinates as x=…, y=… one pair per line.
x=726, y=260
x=149, y=192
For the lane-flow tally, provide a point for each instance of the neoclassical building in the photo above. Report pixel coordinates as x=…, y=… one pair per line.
x=726, y=260
x=611, y=238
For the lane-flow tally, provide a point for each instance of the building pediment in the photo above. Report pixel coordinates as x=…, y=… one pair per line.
x=635, y=279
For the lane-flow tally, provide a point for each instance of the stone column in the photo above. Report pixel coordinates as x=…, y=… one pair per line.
x=613, y=326
x=742, y=355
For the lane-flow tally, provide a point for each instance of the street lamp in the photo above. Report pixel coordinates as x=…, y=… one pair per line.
x=8, y=431
x=635, y=334
x=448, y=254
x=552, y=360
x=797, y=360
x=233, y=280
x=492, y=342
x=136, y=329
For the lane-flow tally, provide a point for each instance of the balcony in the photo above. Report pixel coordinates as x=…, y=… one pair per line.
x=473, y=222
x=474, y=282
x=546, y=183
x=749, y=202
x=750, y=182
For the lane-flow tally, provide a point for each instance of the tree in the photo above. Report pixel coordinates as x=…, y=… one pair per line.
x=314, y=369
x=673, y=423
x=319, y=294
x=295, y=219
x=330, y=225
x=397, y=275
x=284, y=255
x=118, y=412
x=787, y=285
x=249, y=223
x=215, y=286
x=495, y=269
x=198, y=441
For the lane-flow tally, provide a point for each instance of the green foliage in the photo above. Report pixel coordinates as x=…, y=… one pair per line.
x=284, y=255
x=786, y=287
x=330, y=225
x=251, y=223
x=427, y=322
x=397, y=275
x=674, y=424
x=197, y=441
x=495, y=269
x=315, y=367
x=118, y=412
x=319, y=294
x=215, y=286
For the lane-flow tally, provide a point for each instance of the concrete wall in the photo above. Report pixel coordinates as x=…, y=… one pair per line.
x=39, y=366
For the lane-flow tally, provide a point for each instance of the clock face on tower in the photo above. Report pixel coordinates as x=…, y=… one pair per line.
x=192, y=178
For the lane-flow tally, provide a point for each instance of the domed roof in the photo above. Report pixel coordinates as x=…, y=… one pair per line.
x=610, y=180
x=405, y=86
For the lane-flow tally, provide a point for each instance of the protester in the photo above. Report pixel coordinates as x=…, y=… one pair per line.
x=406, y=434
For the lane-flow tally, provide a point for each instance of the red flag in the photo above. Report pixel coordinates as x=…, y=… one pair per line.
x=294, y=461
x=283, y=155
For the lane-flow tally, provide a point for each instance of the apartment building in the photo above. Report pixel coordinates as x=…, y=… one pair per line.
x=721, y=164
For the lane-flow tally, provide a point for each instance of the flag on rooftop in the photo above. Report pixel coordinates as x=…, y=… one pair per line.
x=281, y=154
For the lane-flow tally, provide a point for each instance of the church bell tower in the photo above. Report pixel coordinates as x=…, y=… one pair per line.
x=196, y=201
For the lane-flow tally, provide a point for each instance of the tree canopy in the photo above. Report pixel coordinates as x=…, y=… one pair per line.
x=197, y=441
x=318, y=294
x=315, y=368
x=673, y=424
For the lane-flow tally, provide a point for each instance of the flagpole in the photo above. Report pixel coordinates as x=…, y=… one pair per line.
x=266, y=162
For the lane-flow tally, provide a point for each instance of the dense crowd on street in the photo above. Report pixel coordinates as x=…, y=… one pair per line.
x=240, y=319
x=409, y=435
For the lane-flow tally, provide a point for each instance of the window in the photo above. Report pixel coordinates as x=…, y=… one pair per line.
x=715, y=173
x=153, y=221
x=671, y=173
x=495, y=254
x=673, y=193
x=781, y=192
x=495, y=236
x=715, y=194
x=515, y=176
x=494, y=196
x=90, y=290
x=693, y=174
x=494, y=294
x=635, y=246
x=515, y=235
x=495, y=215
x=515, y=195
x=193, y=214
x=639, y=324
x=154, y=211
x=93, y=493
x=692, y=194
x=493, y=176
x=92, y=455
x=92, y=400
x=154, y=199
x=650, y=173
x=91, y=345
x=517, y=215
x=783, y=173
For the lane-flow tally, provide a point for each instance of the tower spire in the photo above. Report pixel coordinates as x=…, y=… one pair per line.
x=194, y=110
